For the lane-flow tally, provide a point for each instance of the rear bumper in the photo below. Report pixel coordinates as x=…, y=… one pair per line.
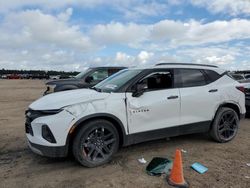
x=49, y=151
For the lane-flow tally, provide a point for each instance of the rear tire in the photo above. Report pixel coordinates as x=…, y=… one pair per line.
x=95, y=143
x=225, y=125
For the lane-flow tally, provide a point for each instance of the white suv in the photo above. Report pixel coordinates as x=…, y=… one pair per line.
x=135, y=105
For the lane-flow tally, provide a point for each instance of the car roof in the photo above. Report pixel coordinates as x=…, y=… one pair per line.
x=182, y=65
x=108, y=67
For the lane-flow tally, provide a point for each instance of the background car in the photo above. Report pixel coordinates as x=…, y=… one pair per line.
x=243, y=79
x=13, y=76
x=85, y=79
x=238, y=77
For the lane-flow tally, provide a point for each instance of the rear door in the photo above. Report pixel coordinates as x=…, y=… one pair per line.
x=199, y=96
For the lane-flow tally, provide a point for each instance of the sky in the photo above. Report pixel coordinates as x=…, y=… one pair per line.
x=71, y=35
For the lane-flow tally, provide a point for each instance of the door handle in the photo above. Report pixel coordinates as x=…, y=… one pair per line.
x=173, y=97
x=213, y=90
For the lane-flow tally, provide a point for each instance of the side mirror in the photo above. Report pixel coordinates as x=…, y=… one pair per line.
x=139, y=90
x=89, y=79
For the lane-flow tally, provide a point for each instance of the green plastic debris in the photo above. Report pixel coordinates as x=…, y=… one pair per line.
x=159, y=166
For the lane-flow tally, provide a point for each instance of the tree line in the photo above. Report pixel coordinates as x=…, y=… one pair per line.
x=38, y=72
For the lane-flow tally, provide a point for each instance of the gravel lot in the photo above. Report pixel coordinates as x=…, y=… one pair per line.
x=19, y=167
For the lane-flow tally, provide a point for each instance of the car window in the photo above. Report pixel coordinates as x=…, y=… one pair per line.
x=99, y=75
x=157, y=81
x=112, y=71
x=192, y=77
x=117, y=80
x=82, y=74
x=212, y=75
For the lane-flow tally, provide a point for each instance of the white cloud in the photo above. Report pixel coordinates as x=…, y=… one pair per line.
x=37, y=39
x=223, y=60
x=34, y=28
x=129, y=8
x=171, y=33
x=232, y=7
x=118, y=33
x=143, y=57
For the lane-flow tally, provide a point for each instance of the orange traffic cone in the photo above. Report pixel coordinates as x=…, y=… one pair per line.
x=176, y=177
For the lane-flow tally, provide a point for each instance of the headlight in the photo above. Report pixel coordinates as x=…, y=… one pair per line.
x=76, y=109
x=50, y=88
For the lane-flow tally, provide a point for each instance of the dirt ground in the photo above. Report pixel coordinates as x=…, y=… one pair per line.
x=19, y=167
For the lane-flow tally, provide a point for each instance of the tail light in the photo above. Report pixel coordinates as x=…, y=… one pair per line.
x=241, y=88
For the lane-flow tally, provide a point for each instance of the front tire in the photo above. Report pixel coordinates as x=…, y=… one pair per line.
x=96, y=143
x=225, y=125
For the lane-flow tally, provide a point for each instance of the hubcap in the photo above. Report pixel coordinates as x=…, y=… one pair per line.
x=228, y=125
x=99, y=144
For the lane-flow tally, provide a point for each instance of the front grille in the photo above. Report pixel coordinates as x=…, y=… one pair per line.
x=31, y=115
x=28, y=128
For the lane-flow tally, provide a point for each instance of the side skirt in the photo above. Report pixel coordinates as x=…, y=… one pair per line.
x=167, y=132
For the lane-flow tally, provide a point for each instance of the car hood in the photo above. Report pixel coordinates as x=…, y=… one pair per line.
x=63, y=81
x=65, y=98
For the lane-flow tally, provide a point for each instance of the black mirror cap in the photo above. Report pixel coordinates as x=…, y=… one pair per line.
x=139, y=90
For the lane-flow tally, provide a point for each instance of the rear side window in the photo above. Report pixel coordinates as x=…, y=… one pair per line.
x=192, y=77
x=212, y=76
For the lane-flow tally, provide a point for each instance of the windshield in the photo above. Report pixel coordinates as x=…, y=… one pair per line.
x=82, y=74
x=238, y=77
x=116, y=81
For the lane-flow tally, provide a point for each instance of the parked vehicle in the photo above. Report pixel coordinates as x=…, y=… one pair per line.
x=136, y=105
x=3, y=76
x=40, y=76
x=247, y=76
x=26, y=76
x=55, y=77
x=238, y=77
x=13, y=76
x=246, y=83
x=88, y=78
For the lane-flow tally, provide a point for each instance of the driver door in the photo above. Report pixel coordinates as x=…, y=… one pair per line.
x=159, y=105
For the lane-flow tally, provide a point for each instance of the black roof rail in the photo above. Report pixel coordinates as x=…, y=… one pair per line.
x=159, y=64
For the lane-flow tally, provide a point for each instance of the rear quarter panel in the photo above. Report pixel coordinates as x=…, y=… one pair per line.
x=228, y=93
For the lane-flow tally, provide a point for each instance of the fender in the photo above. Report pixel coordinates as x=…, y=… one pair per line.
x=116, y=121
x=228, y=103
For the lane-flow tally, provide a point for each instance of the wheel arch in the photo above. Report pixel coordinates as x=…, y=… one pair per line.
x=231, y=105
x=109, y=117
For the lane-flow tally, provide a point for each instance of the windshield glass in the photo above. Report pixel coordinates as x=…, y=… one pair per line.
x=82, y=74
x=116, y=81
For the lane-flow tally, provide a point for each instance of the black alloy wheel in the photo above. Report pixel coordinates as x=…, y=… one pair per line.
x=228, y=125
x=225, y=125
x=96, y=143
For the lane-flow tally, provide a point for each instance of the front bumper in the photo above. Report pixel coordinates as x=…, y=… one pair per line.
x=49, y=151
x=59, y=124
